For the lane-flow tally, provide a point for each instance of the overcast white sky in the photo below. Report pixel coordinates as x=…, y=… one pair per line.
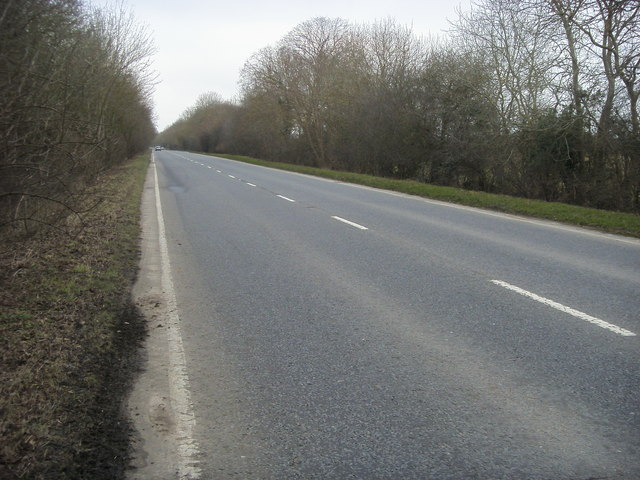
x=202, y=45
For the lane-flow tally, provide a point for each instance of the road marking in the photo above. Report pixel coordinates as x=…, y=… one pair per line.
x=188, y=448
x=209, y=166
x=565, y=309
x=231, y=176
x=218, y=171
x=285, y=198
x=353, y=224
x=251, y=184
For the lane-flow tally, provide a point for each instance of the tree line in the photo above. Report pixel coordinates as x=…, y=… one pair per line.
x=75, y=99
x=534, y=98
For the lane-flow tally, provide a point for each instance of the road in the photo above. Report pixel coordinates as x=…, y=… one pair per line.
x=328, y=330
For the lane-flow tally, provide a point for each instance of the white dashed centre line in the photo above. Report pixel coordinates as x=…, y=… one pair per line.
x=231, y=176
x=348, y=222
x=285, y=198
x=558, y=306
x=251, y=184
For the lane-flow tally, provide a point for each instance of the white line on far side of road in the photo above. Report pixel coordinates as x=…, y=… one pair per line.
x=285, y=198
x=348, y=222
x=565, y=309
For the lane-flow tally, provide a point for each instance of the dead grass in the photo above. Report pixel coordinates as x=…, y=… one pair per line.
x=68, y=339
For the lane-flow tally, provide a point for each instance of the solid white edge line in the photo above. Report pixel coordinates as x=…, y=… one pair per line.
x=285, y=198
x=348, y=222
x=563, y=308
x=188, y=448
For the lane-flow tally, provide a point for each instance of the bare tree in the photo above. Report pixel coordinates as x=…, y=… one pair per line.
x=74, y=98
x=513, y=40
x=306, y=73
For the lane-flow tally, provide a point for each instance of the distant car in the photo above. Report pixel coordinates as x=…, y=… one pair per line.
x=159, y=147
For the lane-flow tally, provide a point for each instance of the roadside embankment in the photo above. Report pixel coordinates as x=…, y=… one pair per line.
x=69, y=337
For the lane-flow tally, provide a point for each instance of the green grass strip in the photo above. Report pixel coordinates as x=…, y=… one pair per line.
x=602, y=220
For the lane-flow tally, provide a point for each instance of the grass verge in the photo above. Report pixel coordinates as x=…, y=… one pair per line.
x=602, y=220
x=69, y=338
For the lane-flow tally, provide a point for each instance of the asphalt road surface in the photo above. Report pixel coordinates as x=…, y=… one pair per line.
x=335, y=331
